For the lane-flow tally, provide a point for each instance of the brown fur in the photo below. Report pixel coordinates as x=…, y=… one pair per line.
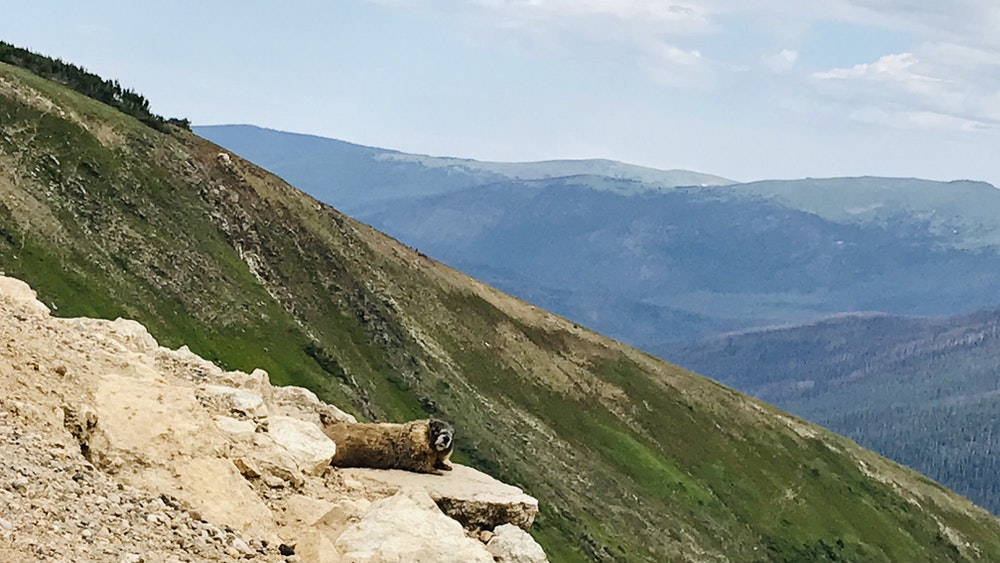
x=409, y=446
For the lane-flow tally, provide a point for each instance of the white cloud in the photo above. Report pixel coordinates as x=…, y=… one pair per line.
x=687, y=17
x=898, y=67
x=972, y=21
x=783, y=61
x=677, y=56
x=932, y=90
x=671, y=65
x=652, y=36
x=951, y=66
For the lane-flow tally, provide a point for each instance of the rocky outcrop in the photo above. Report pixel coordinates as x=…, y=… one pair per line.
x=408, y=527
x=512, y=544
x=116, y=449
x=473, y=498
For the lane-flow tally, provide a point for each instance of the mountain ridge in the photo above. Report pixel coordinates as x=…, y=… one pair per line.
x=949, y=209
x=416, y=175
x=801, y=255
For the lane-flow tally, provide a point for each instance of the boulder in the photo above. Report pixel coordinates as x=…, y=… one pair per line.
x=304, y=442
x=132, y=335
x=155, y=435
x=235, y=400
x=471, y=497
x=316, y=547
x=22, y=298
x=302, y=403
x=511, y=544
x=408, y=527
x=235, y=428
x=274, y=463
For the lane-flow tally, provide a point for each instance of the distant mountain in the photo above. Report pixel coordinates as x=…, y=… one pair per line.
x=923, y=391
x=687, y=261
x=961, y=214
x=642, y=256
x=632, y=459
x=352, y=176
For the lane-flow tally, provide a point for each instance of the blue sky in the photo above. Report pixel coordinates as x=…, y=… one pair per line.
x=749, y=89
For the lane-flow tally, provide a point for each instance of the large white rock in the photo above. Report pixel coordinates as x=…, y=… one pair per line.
x=306, y=444
x=471, y=497
x=302, y=403
x=234, y=427
x=408, y=528
x=133, y=336
x=157, y=436
x=242, y=401
x=511, y=544
x=21, y=296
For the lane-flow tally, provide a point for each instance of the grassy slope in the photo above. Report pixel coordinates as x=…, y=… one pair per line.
x=632, y=459
x=922, y=391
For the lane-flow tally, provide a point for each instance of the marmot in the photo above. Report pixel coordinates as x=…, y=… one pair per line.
x=423, y=446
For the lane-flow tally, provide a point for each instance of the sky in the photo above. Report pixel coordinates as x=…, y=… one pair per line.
x=745, y=89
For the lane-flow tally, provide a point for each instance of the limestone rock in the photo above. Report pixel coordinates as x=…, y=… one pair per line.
x=274, y=462
x=236, y=400
x=235, y=428
x=316, y=547
x=301, y=510
x=133, y=336
x=408, y=527
x=471, y=497
x=305, y=442
x=21, y=297
x=299, y=401
x=511, y=544
x=154, y=434
x=257, y=382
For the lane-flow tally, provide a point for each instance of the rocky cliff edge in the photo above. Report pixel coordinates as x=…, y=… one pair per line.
x=113, y=448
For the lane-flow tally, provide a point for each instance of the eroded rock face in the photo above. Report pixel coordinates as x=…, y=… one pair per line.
x=115, y=449
x=408, y=527
x=304, y=442
x=471, y=497
x=511, y=544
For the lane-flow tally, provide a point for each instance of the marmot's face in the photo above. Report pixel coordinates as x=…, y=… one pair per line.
x=441, y=435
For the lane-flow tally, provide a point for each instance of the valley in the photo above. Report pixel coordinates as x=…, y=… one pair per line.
x=844, y=300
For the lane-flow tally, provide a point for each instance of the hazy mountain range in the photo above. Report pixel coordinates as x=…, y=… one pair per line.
x=631, y=458
x=353, y=177
x=645, y=257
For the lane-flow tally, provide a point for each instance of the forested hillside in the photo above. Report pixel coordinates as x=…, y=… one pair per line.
x=922, y=391
x=89, y=84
